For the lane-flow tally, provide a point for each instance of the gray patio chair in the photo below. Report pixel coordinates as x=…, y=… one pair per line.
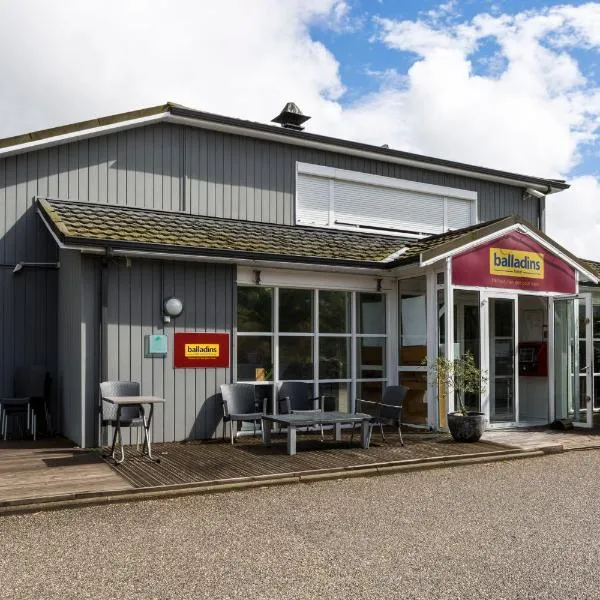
x=30, y=394
x=388, y=411
x=240, y=404
x=131, y=416
x=295, y=396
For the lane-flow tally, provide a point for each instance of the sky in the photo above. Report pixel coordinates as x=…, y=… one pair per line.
x=506, y=84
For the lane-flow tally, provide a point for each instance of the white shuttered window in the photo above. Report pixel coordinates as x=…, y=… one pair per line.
x=329, y=197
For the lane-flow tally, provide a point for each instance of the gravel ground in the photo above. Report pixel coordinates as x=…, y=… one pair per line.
x=521, y=529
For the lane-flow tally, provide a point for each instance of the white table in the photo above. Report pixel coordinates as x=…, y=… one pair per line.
x=120, y=402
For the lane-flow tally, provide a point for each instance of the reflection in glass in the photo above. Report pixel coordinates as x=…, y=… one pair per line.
x=502, y=360
x=370, y=390
x=334, y=357
x=582, y=323
x=414, y=410
x=336, y=396
x=334, y=312
x=596, y=318
x=370, y=357
x=295, y=311
x=295, y=357
x=467, y=336
x=370, y=313
x=441, y=303
x=412, y=321
x=254, y=352
x=254, y=308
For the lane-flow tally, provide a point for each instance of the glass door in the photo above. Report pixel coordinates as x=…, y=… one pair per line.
x=502, y=359
x=572, y=360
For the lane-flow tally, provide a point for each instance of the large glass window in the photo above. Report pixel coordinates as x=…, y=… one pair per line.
x=309, y=335
x=467, y=336
x=255, y=333
x=255, y=309
x=335, y=347
x=596, y=349
x=412, y=348
x=296, y=317
x=295, y=311
x=370, y=345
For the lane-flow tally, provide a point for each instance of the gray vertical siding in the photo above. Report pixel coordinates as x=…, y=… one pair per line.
x=165, y=167
x=135, y=297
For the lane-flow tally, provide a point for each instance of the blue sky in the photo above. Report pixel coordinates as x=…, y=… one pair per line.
x=510, y=85
x=365, y=60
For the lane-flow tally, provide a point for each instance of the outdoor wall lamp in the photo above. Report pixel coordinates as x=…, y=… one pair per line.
x=257, y=277
x=379, y=282
x=172, y=307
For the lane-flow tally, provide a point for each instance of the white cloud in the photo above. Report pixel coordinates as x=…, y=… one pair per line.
x=533, y=111
x=69, y=60
x=573, y=217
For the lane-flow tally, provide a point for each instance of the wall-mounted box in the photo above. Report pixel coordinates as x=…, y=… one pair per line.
x=155, y=346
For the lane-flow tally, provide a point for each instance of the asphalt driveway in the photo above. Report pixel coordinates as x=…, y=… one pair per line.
x=521, y=529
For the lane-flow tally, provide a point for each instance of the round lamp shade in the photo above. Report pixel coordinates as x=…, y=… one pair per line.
x=173, y=307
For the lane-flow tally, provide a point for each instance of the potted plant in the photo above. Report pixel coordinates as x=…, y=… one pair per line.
x=465, y=378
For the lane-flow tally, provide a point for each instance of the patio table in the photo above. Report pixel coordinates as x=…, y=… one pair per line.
x=306, y=419
x=121, y=401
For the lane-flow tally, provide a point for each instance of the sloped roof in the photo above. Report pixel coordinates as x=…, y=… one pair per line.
x=119, y=226
x=177, y=113
x=593, y=266
x=109, y=226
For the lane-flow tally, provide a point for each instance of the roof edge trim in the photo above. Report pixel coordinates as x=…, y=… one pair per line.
x=174, y=113
x=498, y=229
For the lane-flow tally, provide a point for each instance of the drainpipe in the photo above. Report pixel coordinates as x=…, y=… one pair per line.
x=103, y=358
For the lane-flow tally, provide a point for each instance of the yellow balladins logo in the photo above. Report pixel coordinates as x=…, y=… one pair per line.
x=201, y=350
x=516, y=263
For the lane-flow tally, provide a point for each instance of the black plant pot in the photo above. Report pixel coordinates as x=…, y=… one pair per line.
x=466, y=428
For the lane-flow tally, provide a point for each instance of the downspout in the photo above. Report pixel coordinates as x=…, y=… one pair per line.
x=103, y=357
x=542, y=210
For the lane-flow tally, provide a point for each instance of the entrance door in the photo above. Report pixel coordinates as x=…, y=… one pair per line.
x=503, y=397
x=572, y=342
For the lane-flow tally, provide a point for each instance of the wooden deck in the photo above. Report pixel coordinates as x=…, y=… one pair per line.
x=52, y=467
x=197, y=461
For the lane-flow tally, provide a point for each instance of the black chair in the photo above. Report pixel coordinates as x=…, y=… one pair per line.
x=240, y=404
x=386, y=412
x=31, y=386
x=131, y=416
x=295, y=396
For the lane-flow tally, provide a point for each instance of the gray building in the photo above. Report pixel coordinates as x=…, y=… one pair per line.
x=323, y=259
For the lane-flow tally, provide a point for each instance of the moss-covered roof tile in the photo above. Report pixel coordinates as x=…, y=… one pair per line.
x=78, y=222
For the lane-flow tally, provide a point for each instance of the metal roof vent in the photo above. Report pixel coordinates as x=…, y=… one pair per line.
x=291, y=117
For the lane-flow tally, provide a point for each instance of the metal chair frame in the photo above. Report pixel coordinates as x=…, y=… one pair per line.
x=236, y=399
x=298, y=400
x=30, y=384
x=130, y=416
x=389, y=409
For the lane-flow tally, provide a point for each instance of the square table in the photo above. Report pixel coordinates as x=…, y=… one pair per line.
x=121, y=401
x=317, y=417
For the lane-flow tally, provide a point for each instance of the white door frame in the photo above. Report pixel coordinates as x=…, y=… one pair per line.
x=588, y=423
x=485, y=297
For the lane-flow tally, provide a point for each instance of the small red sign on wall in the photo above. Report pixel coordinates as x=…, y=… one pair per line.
x=514, y=261
x=201, y=350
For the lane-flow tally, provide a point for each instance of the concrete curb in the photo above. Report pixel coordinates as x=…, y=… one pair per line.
x=77, y=500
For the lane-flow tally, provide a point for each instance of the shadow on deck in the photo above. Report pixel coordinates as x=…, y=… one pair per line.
x=203, y=461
